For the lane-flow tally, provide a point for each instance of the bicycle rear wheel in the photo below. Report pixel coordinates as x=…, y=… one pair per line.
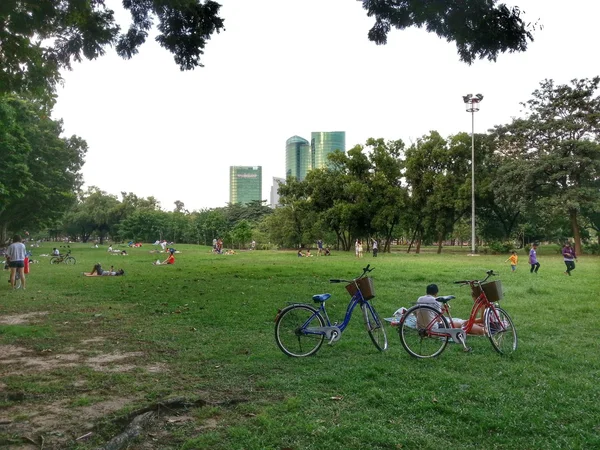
x=18, y=283
x=54, y=260
x=70, y=260
x=415, y=330
x=290, y=330
x=499, y=328
x=375, y=326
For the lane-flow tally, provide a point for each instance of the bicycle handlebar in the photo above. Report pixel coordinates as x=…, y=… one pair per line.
x=490, y=273
x=365, y=271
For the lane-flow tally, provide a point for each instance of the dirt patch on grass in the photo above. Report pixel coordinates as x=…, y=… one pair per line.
x=59, y=422
x=20, y=319
x=11, y=351
x=112, y=357
x=22, y=358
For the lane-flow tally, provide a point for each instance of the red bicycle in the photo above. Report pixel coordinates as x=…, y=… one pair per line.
x=426, y=330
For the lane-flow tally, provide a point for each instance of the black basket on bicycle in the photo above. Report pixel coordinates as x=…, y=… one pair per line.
x=365, y=285
x=493, y=290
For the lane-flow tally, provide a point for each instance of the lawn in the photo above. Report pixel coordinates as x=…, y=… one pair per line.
x=80, y=357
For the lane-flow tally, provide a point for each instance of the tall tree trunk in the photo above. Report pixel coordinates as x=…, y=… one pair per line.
x=4, y=233
x=388, y=240
x=576, y=234
x=412, y=240
x=440, y=242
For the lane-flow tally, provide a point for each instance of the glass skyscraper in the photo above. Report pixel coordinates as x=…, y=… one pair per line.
x=323, y=143
x=245, y=184
x=297, y=157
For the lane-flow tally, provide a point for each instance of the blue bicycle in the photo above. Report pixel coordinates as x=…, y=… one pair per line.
x=300, y=329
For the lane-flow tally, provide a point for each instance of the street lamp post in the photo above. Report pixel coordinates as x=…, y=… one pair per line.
x=472, y=105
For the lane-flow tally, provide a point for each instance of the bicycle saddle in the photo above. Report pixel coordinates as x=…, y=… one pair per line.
x=321, y=297
x=445, y=299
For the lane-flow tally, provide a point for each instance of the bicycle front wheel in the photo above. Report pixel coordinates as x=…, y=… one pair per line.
x=292, y=330
x=70, y=260
x=18, y=283
x=417, y=332
x=375, y=326
x=54, y=260
x=500, y=329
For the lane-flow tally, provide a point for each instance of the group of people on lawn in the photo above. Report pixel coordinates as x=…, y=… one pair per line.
x=568, y=253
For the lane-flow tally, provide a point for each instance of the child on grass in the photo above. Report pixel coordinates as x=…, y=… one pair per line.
x=514, y=260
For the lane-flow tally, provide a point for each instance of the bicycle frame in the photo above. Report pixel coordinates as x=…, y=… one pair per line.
x=354, y=301
x=480, y=305
x=334, y=331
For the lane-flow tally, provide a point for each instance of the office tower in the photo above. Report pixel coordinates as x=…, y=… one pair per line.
x=297, y=157
x=323, y=143
x=274, y=198
x=245, y=184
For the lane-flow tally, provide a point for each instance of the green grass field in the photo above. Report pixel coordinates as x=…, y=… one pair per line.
x=78, y=354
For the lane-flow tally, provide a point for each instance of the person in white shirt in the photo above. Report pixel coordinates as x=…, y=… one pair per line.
x=16, y=254
x=425, y=317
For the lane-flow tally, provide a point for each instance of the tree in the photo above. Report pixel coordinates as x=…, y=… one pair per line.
x=553, y=154
x=480, y=28
x=144, y=225
x=38, y=39
x=241, y=233
x=40, y=169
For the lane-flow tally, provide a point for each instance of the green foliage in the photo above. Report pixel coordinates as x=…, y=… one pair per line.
x=40, y=169
x=492, y=29
x=241, y=233
x=40, y=39
x=500, y=247
x=593, y=249
x=551, y=158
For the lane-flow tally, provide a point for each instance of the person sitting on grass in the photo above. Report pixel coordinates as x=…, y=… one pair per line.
x=169, y=260
x=97, y=271
x=300, y=254
x=427, y=316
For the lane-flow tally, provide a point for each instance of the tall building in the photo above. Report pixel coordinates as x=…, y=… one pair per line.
x=323, y=143
x=297, y=157
x=245, y=184
x=274, y=198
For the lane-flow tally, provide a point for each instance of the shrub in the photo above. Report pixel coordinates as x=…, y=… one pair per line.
x=593, y=249
x=499, y=247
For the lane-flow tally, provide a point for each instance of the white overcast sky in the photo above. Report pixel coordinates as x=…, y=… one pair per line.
x=290, y=67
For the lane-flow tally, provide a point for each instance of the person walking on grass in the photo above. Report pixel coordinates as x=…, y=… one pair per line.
x=16, y=254
x=514, y=260
x=535, y=265
x=375, y=250
x=570, y=257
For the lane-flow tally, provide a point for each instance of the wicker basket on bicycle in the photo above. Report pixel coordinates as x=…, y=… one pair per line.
x=493, y=290
x=365, y=285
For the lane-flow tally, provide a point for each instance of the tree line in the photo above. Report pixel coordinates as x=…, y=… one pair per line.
x=537, y=179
